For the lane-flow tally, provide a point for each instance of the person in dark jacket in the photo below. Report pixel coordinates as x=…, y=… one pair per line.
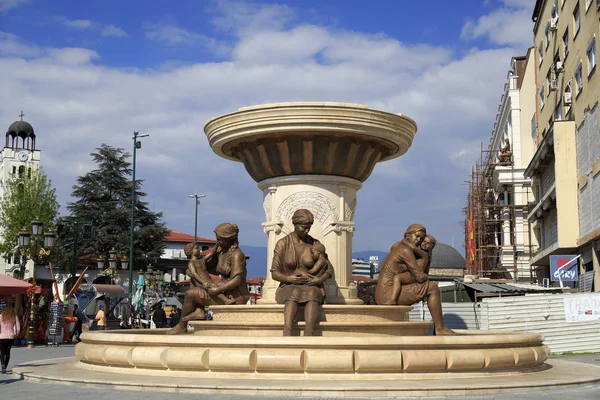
x=160, y=317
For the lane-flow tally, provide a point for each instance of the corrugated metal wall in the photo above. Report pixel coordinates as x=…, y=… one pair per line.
x=540, y=313
x=545, y=314
x=456, y=315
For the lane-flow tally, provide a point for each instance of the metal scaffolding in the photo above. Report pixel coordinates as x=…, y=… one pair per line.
x=489, y=217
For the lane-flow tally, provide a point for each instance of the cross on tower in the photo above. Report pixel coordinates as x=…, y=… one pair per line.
x=21, y=115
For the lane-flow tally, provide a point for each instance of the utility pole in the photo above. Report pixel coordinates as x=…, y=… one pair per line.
x=136, y=145
x=75, y=243
x=197, y=197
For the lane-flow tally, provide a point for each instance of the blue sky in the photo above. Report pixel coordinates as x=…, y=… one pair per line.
x=92, y=72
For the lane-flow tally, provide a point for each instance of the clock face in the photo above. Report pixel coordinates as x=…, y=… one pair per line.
x=23, y=156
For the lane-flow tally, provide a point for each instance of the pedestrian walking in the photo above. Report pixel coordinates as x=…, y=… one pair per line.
x=78, y=324
x=9, y=330
x=101, y=318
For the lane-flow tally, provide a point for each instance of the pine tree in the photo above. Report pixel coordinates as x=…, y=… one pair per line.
x=103, y=201
x=28, y=197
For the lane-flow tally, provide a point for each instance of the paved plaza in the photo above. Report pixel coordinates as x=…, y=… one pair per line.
x=12, y=387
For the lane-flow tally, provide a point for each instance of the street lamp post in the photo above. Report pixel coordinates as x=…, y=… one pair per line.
x=136, y=145
x=197, y=197
x=25, y=243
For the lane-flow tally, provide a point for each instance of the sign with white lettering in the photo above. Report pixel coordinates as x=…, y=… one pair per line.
x=564, y=268
x=580, y=308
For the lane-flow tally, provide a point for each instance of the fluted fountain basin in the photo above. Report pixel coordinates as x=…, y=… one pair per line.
x=379, y=357
x=301, y=138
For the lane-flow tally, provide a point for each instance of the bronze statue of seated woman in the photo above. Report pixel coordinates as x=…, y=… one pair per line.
x=301, y=266
x=403, y=277
x=225, y=259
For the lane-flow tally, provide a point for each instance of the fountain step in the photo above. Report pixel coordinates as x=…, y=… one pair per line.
x=329, y=313
x=328, y=329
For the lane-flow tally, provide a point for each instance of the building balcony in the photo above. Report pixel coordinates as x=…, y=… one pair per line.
x=509, y=175
x=544, y=205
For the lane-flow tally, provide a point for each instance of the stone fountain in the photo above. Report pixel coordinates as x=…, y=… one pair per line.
x=313, y=156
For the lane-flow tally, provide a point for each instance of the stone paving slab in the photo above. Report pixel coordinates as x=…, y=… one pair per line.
x=559, y=374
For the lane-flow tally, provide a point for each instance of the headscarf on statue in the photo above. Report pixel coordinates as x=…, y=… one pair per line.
x=303, y=216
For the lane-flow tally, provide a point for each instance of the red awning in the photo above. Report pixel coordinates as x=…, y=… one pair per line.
x=10, y=285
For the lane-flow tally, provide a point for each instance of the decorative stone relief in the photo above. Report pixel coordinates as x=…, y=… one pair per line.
x=321, y=207
x=349, y=212
x=272, y=227
x=341, y=228
x=267, y=207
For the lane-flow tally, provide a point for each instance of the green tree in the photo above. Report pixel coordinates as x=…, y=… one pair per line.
x=103, y=201
x=28, y=197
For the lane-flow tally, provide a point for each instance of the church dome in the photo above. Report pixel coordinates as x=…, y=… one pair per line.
x=20, y=127
x=447, y=257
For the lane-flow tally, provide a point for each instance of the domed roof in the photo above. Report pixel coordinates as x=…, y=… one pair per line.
x=445, y=256
x=20, y=126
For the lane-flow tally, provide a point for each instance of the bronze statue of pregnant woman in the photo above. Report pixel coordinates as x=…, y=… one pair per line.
x=292, y=259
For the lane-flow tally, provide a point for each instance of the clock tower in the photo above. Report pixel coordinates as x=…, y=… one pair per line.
x=19, y=157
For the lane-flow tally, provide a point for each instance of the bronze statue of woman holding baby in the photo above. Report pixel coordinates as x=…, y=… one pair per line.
x=224, y=259
x=301, y=266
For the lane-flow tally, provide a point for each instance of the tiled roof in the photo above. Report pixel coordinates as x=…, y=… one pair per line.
x=360, y=278
x=185, y=238
x=256, y=281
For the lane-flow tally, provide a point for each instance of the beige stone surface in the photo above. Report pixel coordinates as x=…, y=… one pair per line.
x=554, y=374
x=324, y=329
x=329, y=313
x=379, y=356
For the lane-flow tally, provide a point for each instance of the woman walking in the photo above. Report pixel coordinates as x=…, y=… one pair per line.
x=9, y=329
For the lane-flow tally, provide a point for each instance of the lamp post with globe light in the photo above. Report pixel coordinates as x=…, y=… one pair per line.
x=136, y=145
x=29, y=244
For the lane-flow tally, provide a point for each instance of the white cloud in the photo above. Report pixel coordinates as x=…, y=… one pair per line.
x=72, y=55
x=509, y=25
x=172, y=35
x=75, y=23
x=242, y=18
x=12, y=45
x=113, y=31
x=75, y=104
x=7, y=5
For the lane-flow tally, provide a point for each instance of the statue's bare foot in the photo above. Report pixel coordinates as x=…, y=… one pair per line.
x=230, y=302
x=445, y=331
x=179, y=329
x=198, y=314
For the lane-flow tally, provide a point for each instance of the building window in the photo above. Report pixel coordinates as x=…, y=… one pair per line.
x=533, y=126
x=541, y=52
x=578, y=79
x=565, y=40
x=576, y=21
x=558, y=112
x=547, y=33
x=591, y=56
x=588, y=3
x=542, y=97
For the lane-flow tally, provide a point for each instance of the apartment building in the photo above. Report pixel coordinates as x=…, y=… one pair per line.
x=565, y=168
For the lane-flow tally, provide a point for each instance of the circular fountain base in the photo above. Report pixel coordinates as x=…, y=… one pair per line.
x=363, y=351
x=308, y=358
